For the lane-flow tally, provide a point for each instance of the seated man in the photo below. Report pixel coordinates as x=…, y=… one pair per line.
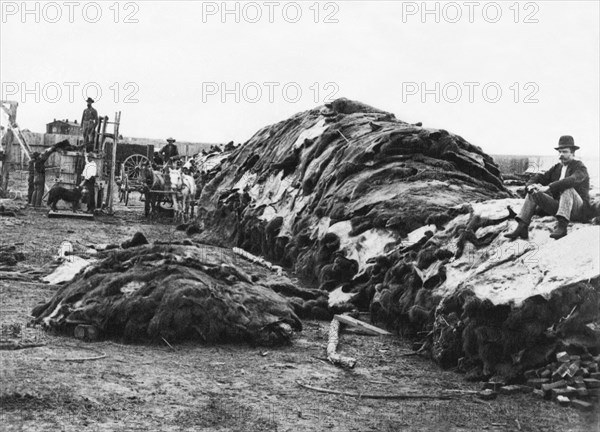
x=562, y=191
x=169, y=150
x=158, y=160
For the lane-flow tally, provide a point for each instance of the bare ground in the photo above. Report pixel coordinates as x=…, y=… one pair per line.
x=193, y=387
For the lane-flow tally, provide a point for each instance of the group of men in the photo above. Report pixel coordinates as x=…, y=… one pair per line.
x=37, y=178
x=89, y=122
x=37, y=164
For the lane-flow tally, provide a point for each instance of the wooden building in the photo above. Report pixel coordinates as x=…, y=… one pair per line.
x=64, y=127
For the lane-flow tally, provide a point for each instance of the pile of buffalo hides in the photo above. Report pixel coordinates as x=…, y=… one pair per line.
x=407, y=221
x=174, y=292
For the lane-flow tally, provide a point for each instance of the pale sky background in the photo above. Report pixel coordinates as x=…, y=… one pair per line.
x=369, y=54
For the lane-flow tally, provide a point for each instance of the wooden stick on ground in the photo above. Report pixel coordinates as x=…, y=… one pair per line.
x=18, y=346
x=81, y=359
x=375, y=396
x=361, y=325
x=74, y=359
x=167, y=342
x=332, y=355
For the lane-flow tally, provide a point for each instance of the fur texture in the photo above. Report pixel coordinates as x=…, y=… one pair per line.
x=58, y=193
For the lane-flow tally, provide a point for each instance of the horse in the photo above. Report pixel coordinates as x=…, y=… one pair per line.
x=185, y=187
x=155, y=181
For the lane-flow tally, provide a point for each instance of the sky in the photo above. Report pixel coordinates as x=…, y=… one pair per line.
x=510, y=77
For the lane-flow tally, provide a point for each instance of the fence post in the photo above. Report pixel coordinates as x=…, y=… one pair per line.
x=5, y=164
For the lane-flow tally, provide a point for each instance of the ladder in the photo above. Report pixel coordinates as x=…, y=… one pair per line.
x=100, y=146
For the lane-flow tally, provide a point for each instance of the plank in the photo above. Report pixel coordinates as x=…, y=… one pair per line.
x=70, y=214
x=361, y=324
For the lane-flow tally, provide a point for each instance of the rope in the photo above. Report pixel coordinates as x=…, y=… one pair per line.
x=100, y=355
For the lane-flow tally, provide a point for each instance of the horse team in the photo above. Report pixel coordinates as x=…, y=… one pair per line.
x=171, y=185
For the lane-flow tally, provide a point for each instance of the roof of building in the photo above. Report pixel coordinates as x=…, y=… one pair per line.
x=66, y=121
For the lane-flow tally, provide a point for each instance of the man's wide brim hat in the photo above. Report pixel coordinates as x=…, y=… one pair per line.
x=90, y=100
x=170, y=139
x=566, y=141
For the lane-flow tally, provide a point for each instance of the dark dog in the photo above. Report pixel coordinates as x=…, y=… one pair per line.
x=58, y=193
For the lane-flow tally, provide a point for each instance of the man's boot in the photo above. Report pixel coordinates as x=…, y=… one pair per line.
x=561, y=228
x=522, y=230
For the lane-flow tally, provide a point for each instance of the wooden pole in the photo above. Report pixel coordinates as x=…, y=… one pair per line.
x=101, y=138
x=113, y=163
x=96, y=142
x=5, y=165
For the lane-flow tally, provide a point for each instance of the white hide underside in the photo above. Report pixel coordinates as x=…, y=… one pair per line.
x=67, y=270
x=508, y=272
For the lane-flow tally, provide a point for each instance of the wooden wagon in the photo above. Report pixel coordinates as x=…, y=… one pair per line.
x=131, y=178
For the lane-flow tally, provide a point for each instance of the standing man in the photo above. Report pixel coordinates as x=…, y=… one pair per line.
x=89, y=181
x=169, y=151
x=89, y=121
x=39, y=180
x=562, y=191
x=31, y=177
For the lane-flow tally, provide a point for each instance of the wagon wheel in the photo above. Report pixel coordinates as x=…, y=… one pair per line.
x=133, y=167
x=132, y=172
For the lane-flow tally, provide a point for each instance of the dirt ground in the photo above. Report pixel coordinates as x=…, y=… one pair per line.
x=192, y=387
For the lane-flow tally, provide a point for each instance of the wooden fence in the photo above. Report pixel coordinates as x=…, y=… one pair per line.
x=38, y=142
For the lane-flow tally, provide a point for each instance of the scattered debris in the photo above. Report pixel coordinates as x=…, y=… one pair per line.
x=13, y=336
x=12, y=345
x=568, y=379
x=9, y=207
x=9, y=256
